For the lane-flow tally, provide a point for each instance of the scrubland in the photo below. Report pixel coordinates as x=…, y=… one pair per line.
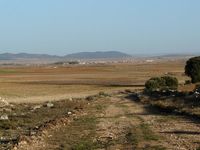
x=87, y=107
x=43, y=83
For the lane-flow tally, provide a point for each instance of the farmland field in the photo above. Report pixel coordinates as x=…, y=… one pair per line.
x=46, y=83
x=87, y=107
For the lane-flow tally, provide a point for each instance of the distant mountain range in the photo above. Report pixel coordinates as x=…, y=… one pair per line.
x=10, y=56
x=81, y=55
x=97, y=55
x=7, y=57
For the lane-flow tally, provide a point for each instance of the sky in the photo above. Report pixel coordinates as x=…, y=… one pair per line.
x=67, y=26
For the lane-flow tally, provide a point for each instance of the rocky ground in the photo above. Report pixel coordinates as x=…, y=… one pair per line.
x=111, y=122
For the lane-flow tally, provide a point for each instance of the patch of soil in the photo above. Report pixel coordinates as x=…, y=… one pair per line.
x=118, y=123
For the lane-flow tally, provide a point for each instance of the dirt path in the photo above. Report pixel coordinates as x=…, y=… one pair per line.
x=117, y=123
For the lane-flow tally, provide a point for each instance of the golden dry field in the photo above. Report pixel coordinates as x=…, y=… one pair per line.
x=46, y=83
x=87, y=107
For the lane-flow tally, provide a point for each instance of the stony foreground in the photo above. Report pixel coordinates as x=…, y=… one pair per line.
x=103, y=121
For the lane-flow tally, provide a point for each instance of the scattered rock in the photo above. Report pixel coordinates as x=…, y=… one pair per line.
x=5, y=110
x=69, y=113
x=50, y=105
x=3, y=102
x=4, y=117
x=196, y=93
x=10, y=139
x=12, y=106
x=32, y=133
x=14, y=114
x=23, y=142
x=36, y=107
x=23, y=114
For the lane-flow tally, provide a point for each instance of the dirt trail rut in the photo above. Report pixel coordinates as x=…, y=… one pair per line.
x=118, y=123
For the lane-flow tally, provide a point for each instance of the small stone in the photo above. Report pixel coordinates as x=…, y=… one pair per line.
x=23, y=114
x=23, y=142
x=33, y=133
x=37, y=107
x=4, y=117
x=12, y=106
x=15, y=148
x=3, y=102
x=69, y=113
x=14, y=114
x=50, y=105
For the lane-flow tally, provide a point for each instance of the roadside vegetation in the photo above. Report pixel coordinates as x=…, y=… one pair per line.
x=157, y=118
x=19, y=121
x=163, y=92
x=161, y=84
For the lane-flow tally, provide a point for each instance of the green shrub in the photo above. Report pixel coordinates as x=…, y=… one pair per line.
x=152, y=85
x=159, y=80
x=161, y=83
x=170, y=82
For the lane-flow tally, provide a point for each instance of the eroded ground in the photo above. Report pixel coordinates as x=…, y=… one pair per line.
x=74, y=121
x=117, y=122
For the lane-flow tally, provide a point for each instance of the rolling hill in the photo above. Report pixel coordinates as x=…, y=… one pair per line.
x=97, y=55
x=81, y=55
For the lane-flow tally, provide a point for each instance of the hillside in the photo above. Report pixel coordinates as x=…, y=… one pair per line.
x=81, y=55
x=97, y=55
x=10, y=56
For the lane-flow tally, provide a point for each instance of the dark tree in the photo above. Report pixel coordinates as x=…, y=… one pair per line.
x=192, y=69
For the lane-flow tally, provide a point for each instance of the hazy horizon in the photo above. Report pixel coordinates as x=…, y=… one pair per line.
x=136, y=54
x=133, y=27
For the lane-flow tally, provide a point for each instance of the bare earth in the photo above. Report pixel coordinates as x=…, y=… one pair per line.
x=46, y=83
x=120, y=124
x=114, y=122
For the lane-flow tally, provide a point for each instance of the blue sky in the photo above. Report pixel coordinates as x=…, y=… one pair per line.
x=132, y=26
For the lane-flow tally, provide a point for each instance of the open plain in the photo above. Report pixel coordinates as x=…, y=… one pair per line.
x=99, y=106
x=50, y=82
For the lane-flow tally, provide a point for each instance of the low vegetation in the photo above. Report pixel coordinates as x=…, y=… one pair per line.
x=103, y=120
x=180, y=103
x=163, y=95
x=161, y=83
x=20, y=120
